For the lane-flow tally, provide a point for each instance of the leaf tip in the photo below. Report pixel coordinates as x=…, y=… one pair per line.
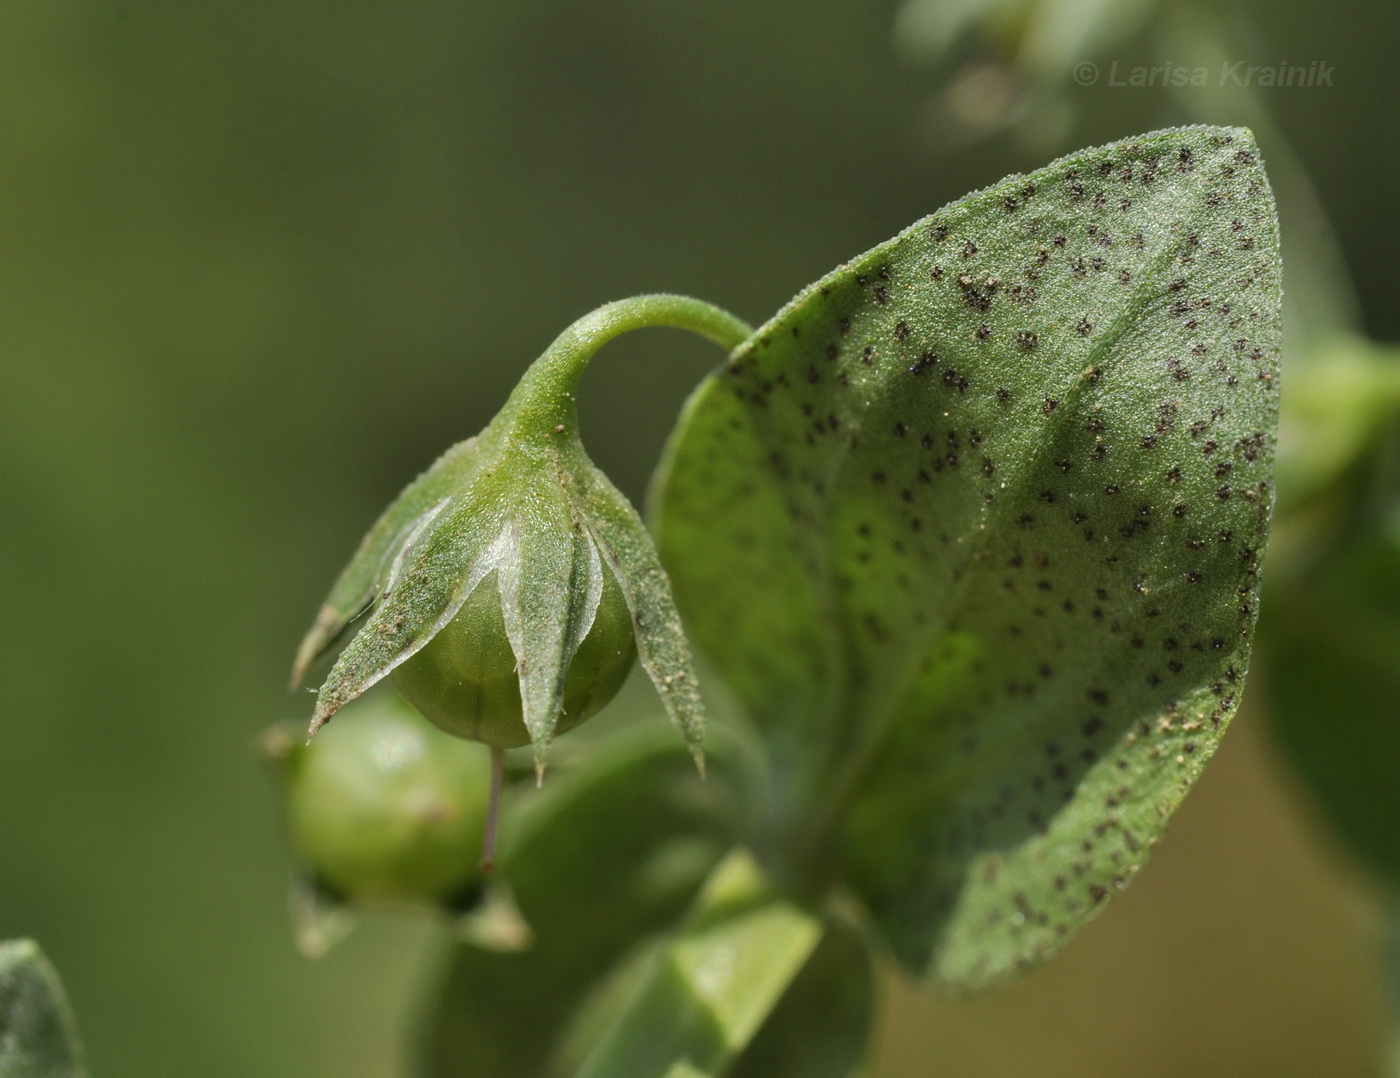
x=319, y=718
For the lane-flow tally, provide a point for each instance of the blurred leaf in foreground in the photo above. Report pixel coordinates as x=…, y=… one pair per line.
x=822, y=1025
x=1331, y=632
x=599, y=859
x=709, y=988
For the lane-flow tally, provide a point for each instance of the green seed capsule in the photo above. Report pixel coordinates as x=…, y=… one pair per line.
x=382, y=807
x=467, y=681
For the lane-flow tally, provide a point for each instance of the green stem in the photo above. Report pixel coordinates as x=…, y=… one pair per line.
x=545, y=395
x=493, y=809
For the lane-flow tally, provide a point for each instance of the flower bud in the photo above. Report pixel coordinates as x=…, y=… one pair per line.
x=467, y=682
x=512, y=583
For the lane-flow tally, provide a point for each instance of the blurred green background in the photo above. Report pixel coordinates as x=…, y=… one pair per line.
x=259, y=264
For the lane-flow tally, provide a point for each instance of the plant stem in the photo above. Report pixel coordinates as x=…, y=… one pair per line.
x=545, y=395
x=493, y=809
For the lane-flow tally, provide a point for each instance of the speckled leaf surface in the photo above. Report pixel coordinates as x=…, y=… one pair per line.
x=38, y=1038
x=973, y=527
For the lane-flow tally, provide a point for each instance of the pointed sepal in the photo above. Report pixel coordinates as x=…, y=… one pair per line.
x=361, y=581
x=551, y=583
x=661, y=641
x=455, y=546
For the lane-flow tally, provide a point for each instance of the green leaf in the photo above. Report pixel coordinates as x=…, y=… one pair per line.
x=712, y=986
x=821, y=1027
x=1330, y=635
x=1343, y=396
x=368, y=571
x=1330, y=647
x=38, y=1038
x=973, y=527
x=600, y=859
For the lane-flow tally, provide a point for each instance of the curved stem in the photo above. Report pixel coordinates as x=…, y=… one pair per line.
x=545, y=395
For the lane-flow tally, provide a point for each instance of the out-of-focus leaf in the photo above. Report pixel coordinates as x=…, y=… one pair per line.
x=1391, y=931
x=1330, y=637
x=600, y=859
x=1338, y=405
x=710, y=987
x=1331, y=660
x=1043, y=38
x=38, y=1038
x=973, y=527
x=821, y=1027
x=1060, y=33
x=928, y=30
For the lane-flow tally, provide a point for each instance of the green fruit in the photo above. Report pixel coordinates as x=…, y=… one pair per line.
x=466, y=679
x=383, y=807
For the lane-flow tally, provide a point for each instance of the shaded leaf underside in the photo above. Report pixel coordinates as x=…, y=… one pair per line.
x=973, y=528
